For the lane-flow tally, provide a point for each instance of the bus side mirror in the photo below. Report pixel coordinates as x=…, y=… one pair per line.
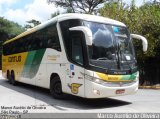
x=87, y=32
x=144, y=41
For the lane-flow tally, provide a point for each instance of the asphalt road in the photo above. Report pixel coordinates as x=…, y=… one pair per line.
x=33, y=99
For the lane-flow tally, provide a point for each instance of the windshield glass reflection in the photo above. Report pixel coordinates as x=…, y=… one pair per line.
x=110, y=43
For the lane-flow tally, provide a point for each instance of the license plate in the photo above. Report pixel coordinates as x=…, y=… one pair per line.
x=120, y=91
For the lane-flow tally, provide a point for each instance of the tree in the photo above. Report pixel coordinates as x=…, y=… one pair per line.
x=55, y=14
x=32, y=23
x=144, y=20
x=58, y=12
x=82, y=6
x=8, y=30
x=156, y=2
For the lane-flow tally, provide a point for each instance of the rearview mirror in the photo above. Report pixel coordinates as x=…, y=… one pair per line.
x=87, y=32
x=144, y=41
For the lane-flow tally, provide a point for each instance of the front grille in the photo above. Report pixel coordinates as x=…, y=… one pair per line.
x=118, y=84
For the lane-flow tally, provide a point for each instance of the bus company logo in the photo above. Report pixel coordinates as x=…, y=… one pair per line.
x=123, y=73
x=74, y=87
x=113, y=78
x=14, y=59
x=53, y=57
x=49, y=57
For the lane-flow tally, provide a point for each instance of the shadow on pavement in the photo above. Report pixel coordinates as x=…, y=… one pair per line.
x=72, y=102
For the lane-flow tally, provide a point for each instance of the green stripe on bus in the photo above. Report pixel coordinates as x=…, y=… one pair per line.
x=32, y=63
x=36, y=62
x=129, y=77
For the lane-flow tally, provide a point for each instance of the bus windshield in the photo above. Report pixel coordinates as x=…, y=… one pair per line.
x=111, y=45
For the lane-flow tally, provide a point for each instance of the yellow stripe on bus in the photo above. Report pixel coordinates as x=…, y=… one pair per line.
x=15, y=62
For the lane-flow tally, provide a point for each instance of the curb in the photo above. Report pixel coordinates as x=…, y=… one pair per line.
x=149, y=87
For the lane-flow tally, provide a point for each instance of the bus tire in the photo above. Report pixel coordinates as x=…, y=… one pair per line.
x=13, y=81
x=9, y=76
x=56, y=88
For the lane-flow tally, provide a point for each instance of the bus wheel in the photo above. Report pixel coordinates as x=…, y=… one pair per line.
x=56, y=88
x=12, y=77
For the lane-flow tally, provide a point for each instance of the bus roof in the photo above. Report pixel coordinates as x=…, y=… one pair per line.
x=63, y=17
x=88, y=17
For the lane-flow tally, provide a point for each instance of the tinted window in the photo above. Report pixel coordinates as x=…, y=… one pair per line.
x=65, y=25
x=27, y=42
x=44, y=38
x=51, y=38
x=103, y=41
x=77, y=50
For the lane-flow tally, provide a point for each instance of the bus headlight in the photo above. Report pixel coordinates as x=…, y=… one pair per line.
x=94, y=79
x=97, y=81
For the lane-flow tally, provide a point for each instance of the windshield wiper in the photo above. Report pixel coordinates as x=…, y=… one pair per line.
x=121, y=54
x=118, y=56
x=102, y=58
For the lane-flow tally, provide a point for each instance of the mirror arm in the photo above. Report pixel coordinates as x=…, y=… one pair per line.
x=87, y=32
x=144, y=41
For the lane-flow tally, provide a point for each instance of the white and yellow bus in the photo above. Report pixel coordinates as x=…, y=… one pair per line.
x=83, y=55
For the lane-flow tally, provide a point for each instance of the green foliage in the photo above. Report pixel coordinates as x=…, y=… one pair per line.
x=55, y=14
x=69, y=10
x=32, y=23
x=9, y=29
x=81, y=6
x=144, y=20
x=150, y=26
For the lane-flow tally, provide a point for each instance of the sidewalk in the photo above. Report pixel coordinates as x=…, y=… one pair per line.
x=157, y=86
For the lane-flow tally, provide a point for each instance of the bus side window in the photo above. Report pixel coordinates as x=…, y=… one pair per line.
x=38, y=39
x=52, y=38
x=65, y=25
x=28, y=41
x=21, y=46
x=41, y=44
x=12, y=46
x=18, y=44
x=35, y=44
x=77, y=49
x=50, y=43
x=6, y=49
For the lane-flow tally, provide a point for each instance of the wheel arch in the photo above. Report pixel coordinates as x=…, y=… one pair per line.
x=12, y=71
x=54, y=78
x=55, y=75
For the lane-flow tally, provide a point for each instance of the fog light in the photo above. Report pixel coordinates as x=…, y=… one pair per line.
x=96, y=92
x=97, y=80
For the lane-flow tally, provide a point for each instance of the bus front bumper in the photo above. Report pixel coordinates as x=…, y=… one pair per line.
x=95, y=90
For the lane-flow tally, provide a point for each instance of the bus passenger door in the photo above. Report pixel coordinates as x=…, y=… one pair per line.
x=76, y=68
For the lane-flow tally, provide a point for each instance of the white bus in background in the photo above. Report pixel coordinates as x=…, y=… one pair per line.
x=83, y=55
